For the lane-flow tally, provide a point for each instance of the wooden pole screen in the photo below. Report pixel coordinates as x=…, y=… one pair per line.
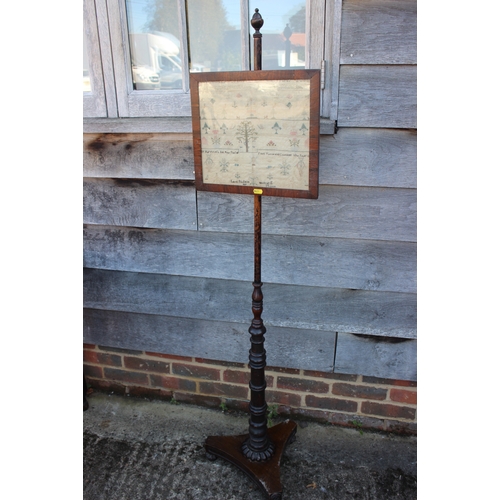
x=257, y=133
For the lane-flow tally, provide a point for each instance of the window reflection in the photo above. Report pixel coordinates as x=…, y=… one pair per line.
x=284, y=34
x=214, y=28
x=214, y=38
x=154, y=44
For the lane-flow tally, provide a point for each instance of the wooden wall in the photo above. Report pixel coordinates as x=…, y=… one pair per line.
x=169, y=269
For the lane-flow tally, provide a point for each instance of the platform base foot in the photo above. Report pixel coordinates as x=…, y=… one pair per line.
x=265, y=474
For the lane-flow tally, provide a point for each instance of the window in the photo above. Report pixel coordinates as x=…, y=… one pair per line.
x=155, y=44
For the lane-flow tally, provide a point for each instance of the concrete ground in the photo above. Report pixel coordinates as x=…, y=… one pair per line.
x=136, y=449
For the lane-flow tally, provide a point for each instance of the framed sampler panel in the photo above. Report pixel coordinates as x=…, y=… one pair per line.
x=257, y=132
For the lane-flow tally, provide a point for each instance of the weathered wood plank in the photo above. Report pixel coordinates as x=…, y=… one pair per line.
x=140, y=203
x=369, y=157
x=301, y=260
x=354, y=157
x=293, y=306
x=155, y=125
x=378, y=96
x=163, y=125
x=194, y=337
x=376, y=357
x=150, y=156
x=339, y=211
x=379, y=32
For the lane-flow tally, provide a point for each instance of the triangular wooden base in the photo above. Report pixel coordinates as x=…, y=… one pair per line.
x=265, y=474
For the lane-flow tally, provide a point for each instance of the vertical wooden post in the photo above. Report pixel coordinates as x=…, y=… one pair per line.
x=257, y=23
x=258, y=446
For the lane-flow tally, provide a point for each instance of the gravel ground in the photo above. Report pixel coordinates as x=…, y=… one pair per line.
x=136, y=449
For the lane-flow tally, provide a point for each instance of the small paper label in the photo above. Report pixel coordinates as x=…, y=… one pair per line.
x=257, y=191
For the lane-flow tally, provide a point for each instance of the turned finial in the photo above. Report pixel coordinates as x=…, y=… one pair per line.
x=257, y=21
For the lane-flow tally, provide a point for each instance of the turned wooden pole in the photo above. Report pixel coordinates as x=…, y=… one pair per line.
x=258, y=446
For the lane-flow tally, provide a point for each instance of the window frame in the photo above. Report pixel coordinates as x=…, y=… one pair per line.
x=94, y=102
x=147, y=107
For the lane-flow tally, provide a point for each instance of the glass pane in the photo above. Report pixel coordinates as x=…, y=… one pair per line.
x=153, y=27
x=86, y=74
x=283, y=33
x=214, y=28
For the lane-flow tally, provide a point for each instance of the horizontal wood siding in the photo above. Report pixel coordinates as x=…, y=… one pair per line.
x=353, y=157
x=140, y=203
x=377, y=82
x=297, y=260
x=339, y=212
x=148, y=156
x=218, y=340
x=378, y=96
x=369, y=157
x=312, y=308
x=169, y=269
x=376, y=357
x=379, y=32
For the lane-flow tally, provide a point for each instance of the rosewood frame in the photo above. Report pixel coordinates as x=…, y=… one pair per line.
x=313, y=75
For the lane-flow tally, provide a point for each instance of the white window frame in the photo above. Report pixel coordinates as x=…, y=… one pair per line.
x=147, y=106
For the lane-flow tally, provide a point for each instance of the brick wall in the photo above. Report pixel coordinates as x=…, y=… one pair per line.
x=350, y=400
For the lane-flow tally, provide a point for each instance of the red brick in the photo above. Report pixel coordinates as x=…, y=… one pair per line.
x=405, y=383
x=331, y=376
x=402, y=396
x=90, y=357
x=173, y=383
x=168, y=356
x=283, y=398
x=195, y=371
x=387, y=410
x=120, y=350
x=388, y=381
x=229, y=364
x=236, y=376
x=146, y=365
x=242, y=377
x=228, y=390
x=278, y=369
x=89, y=346
x=359, y=391
x=331, y=404
x=303, y=385
x=102, y=358
x=92, y=371
x=127, y=377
